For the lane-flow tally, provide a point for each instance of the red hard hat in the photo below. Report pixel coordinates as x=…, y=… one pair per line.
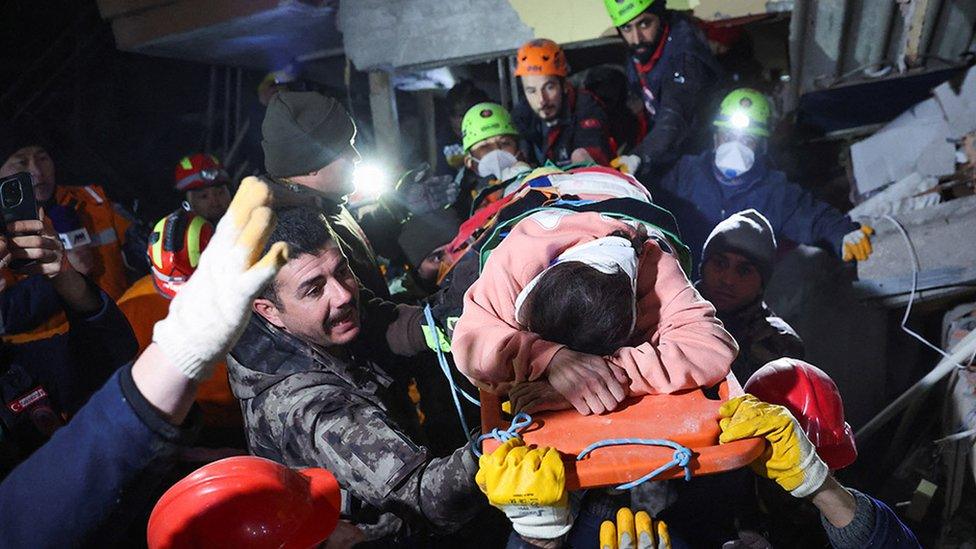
x=174, y=249
x=198, y=171
x=813, y=399
x=246, y=502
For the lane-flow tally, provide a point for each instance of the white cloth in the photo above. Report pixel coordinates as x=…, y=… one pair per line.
x=539, y=522
x=211, y=310
x=608, y=255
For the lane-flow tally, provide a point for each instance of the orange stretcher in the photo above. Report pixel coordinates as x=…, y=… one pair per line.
x=688, y=418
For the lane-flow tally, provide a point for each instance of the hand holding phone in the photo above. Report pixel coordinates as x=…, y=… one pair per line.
x=35, y=248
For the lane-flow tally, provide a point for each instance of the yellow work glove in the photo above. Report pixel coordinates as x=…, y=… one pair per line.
x=627, y=163
x=857, y=244
x=791, y=459
x=529, y=486
x=634, y=532
x=211, y=310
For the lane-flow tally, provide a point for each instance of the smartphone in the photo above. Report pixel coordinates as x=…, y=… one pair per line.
x=17, y=198
x=17, y=204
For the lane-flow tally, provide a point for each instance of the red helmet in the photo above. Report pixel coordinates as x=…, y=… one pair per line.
x=813, y=399
x=198, y=171
x=174, y=249
x=246, y=502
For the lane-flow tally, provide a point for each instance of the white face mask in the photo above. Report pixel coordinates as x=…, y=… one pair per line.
x=495, y=163
x=734, y=159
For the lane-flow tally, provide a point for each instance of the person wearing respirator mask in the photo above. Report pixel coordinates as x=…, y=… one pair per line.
x=702, y=190
x=491, y=144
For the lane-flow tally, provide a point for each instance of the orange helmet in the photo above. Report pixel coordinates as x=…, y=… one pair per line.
x=543, y=57
x=246, y=502
x=198, y=171
x=174, y=250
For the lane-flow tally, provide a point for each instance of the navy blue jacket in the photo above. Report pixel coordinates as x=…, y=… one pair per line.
x=693, y=193
x=27, y=304
x=101, y=466
x=674, y=90
x=44, y=381
x=875, y=526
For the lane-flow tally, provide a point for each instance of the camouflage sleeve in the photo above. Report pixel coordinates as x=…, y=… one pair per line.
x=775, y=340
x=378, y=463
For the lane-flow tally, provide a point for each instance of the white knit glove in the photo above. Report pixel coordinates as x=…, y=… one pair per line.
x=211, y=310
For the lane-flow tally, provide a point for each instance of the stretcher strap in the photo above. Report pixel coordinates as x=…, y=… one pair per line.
x=446, y=370
x=519, y=422
x=681, y=458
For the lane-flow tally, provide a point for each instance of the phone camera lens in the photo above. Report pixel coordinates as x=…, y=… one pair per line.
x=11, y=194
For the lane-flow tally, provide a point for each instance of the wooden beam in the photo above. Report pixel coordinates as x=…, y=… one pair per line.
x=386, y=126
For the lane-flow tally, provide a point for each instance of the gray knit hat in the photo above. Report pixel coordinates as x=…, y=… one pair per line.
x=422, y=234
x=303, y=132
x=747, y=233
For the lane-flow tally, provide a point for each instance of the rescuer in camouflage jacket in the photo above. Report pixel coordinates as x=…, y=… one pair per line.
x=317, y=390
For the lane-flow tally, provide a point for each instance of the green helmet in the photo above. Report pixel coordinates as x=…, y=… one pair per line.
x=485, y=120
x=745, y=110
x=622, y=11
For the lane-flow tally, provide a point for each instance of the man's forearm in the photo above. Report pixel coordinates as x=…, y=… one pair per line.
x=78, y=295
x=163, y=386
x=835, y=503
x=449, y=496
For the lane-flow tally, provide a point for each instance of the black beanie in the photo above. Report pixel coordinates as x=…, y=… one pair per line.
x=422, y=234
x=303, y=132
x=13, y=138
x=747, y=233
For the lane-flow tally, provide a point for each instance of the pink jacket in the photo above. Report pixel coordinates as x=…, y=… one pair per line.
x=678, y=343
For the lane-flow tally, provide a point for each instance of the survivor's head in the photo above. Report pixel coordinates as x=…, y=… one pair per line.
x=308, y=139
x=315, y=296
x=424, y=240
x=586, y=299
x=741, y=132
x=541, y=64
x=490, y=140
x=737, y=261
x=22, y=151
x=639, y=23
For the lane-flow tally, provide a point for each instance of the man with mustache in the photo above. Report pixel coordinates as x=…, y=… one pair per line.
x=314, y=371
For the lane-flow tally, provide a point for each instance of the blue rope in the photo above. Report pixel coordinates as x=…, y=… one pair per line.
x=682, y=456
x=446, y=370
x=519, y=422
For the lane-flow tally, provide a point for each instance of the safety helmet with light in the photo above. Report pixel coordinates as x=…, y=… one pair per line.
x=174, y=249
x=814, y=400
x=485, y=120
x=541, y=57
x=198, y=171
x=745, y=110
